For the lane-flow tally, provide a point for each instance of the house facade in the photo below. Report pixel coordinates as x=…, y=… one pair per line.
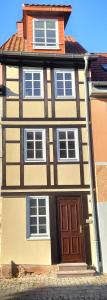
x=48, y=213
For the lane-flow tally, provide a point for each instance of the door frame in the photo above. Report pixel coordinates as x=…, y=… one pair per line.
x=58, y=227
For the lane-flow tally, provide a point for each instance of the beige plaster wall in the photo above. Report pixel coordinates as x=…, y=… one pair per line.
x=35, y=175
x=68, y=174
x=13, y=152
x=65, y=109
x=12, y=89
x=12, y=134
x=82, y=109
x=12, y=72
x=33, y=109
x=81, y=91
x=12, y=109
x=81, y=75
x=13, y=175
x=86, y=174
x=15, y=246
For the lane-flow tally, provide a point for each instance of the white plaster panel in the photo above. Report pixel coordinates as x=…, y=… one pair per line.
x=102, y=218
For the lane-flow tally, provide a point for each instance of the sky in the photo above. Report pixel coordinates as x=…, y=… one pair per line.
x=87, y=23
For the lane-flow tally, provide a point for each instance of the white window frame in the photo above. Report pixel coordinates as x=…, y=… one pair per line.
x=43, y=143
x=73, y=96
x=35, y=46
x=75, y=130
x=37, y=236
x=32, y=71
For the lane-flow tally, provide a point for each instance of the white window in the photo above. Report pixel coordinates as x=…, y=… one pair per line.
x=67, y=144
x=38, y=217
x=45, y=33
x=33, y=83
x=64, y=83
x=35, y=145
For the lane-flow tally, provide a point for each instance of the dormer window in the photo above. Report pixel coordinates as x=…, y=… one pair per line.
x=45, y=33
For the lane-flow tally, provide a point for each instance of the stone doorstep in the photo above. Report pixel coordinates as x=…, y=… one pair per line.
x=76, y=273
x=72, y=266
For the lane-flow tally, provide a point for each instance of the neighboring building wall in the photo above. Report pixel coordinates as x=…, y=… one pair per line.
x=99, y=127
x=0, y=157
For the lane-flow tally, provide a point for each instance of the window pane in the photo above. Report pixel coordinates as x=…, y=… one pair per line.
x=51, y=42
x=71, y=145
x=40, y=41
x=62, y=153
x=30, y=145
x=33, y=211
x=28, y=92
x=59, y=76
x=28, y=76
x=30, y=154
x=39, y=154
x=28, y=84
x=60, y=92
x=51, y=34
x=62, y=145
x=33, y=220
x=33, y=229
x=37, y=84
x=71, y=153
x=68, y=84
x=39, y=24
x=62, y=135
x=41, y=202
x=67, y=76
x=50, y=24
x=37, y=92
x=60, y=84
x=42, y=211
x=42, y=228
x=68, y=92
x=36, y=76
x=70, y=134
x=42, y=220
x=29, y=135
x=38, y=145
x=33, y=202
x=40, y=33
x=38, y=135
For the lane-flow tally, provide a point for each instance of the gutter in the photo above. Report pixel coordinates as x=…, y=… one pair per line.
x=44, y=55
x=95, y=227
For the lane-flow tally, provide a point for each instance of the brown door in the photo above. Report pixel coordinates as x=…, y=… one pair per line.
x=71, y=231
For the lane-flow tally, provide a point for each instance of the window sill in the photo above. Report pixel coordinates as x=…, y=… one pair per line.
x=41, y=238
x=35, y=161
x=65, y=97
x=33, y=97
x=68, y=160
x=46, y=48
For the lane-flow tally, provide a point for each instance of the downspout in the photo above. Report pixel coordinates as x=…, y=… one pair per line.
x=95, y=229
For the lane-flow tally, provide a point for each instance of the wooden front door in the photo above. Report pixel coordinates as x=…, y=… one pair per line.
x=71, y=231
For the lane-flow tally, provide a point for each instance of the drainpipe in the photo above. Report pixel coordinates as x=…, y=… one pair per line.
x=95, y=228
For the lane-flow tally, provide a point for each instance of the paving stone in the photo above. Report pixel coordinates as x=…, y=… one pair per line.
x=49, y=287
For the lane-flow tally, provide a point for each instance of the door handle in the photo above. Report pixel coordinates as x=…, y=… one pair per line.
x=81, y=228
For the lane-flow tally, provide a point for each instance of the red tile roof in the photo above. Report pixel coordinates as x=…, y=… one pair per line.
x=72, y=46
x=97, y=71
x=16, y=43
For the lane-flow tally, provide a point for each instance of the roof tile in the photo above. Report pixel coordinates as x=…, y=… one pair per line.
x=16, y=43
x=97, y=71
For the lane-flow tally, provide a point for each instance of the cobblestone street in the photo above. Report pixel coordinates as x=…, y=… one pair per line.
x=44, y=287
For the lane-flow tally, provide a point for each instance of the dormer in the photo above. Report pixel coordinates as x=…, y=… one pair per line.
x=43, y=27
